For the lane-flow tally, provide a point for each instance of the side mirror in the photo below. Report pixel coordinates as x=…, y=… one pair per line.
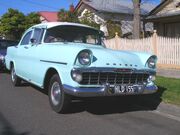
x=33, y=40
x=104, y=38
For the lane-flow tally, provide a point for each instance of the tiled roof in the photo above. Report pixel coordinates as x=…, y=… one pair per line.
x=170, y=14
x=160, y=6
x=117, y=6
x=49, y=16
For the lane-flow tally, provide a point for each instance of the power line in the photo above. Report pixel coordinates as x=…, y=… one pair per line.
x=39, y=4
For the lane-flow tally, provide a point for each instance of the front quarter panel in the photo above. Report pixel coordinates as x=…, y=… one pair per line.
x=10, y=56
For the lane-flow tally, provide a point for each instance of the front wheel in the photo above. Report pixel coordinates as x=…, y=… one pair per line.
x=58, y=99
x=14, y=78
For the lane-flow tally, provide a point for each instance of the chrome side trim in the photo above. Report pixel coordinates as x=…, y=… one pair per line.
x=63, y=63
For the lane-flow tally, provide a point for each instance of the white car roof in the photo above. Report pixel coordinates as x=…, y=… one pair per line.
x=54, y=24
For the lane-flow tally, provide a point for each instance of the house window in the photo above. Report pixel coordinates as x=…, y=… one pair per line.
x=172, y=30
x=178, y=5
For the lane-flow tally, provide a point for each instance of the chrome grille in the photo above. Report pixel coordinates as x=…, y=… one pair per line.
x=98, y=78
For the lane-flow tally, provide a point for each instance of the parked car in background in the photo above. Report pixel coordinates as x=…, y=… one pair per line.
x=4, y=44
x=69, y=59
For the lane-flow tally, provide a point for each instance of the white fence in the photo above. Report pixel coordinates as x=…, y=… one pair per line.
x=166, y=49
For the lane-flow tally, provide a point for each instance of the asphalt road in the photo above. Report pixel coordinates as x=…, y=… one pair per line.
x=25, y=111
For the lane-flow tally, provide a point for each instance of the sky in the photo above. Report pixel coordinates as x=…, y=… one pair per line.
x=27, y=6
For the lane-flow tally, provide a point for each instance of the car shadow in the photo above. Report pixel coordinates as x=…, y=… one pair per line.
x=25, y=84
x=111, y=105
x=120, y=104
x=7, y=128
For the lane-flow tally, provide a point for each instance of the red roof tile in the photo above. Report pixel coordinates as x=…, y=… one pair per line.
x=49, y=16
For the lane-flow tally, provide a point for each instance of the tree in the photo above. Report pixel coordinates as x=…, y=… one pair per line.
x=113, y=27
x=88, y=19
x=67, y=16
x=31, y=19
x=12, y=24
x=137, y=19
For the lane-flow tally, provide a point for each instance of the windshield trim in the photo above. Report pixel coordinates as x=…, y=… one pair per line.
x=101, y=35
x=102, y=45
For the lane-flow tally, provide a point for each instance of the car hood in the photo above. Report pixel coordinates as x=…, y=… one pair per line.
x=3, y=52
x=102, y=57
x=119, y=59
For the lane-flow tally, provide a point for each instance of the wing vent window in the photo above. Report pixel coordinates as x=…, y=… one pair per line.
x=26, y=38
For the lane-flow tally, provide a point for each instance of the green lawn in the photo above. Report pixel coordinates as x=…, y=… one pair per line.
x=169, y=90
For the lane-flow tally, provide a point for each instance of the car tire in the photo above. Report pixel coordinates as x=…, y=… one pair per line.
x=58, y=99
x=14, y=78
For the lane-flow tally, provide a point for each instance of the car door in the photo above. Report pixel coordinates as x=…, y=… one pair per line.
x=22, y=59
x=34, y=54
x=27, y=54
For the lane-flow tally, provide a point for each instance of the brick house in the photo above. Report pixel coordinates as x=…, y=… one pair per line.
x=47, y=16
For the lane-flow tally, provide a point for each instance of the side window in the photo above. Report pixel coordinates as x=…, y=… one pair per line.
x=38, y=34
x=26, y=38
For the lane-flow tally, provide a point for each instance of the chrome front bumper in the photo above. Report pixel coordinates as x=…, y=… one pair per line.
x=104, y=91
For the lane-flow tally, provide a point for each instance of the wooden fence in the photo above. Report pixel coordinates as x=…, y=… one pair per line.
x=166, y=49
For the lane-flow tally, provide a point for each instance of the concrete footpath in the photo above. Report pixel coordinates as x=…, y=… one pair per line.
x=168, y=110
x=171, y=73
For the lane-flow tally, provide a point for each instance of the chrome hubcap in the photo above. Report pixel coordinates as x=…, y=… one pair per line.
x=55, y=93
x=13, y=74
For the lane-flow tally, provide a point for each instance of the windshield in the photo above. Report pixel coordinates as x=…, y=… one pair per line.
x=73, y=34
x=4, y=44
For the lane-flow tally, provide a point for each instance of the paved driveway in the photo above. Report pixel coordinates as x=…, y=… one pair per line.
x=25, y=111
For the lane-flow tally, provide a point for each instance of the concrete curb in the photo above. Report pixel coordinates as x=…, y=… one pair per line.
x=165, y=109
x=169, y=109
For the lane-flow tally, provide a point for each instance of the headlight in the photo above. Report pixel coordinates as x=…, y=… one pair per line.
x=76, y=76
x=2, y=57
x=84, y=58
x=151, y=63
x=151, y=78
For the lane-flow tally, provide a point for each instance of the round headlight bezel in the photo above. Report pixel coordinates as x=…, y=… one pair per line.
x=151, y=62
x=76, y=75
x=84, y=58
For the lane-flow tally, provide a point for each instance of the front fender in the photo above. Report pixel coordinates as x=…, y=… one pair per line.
x=63, y=71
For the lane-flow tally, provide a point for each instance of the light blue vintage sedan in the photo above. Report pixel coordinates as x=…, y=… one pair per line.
x=69, y=59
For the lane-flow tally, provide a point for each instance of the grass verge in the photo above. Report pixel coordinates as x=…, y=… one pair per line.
x=169, y=89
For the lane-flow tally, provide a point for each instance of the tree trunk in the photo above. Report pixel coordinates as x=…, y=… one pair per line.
x=137, y=19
